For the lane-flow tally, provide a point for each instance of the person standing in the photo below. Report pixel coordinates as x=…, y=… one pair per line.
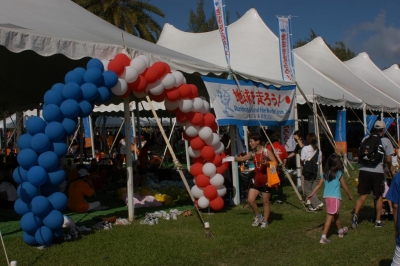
x=394, y=196
x=122, y=149
x=372, y=178
x=332, y=178
x=298, y=138
x=260, y=156
x=143, y=159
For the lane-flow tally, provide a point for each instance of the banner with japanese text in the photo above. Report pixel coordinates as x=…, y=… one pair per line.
x=219, y=6
x=287, y=139
x=340, y=132
x=285, y=49
x=254, y=105
x=371, y=119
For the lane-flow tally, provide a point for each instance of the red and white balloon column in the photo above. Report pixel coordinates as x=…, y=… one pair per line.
x=206, y=150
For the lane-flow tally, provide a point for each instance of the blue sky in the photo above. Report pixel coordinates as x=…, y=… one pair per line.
x=371, y=26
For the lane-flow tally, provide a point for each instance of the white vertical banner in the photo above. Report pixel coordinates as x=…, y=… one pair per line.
x=285, y=49
x=219, y=6
x=287, y=139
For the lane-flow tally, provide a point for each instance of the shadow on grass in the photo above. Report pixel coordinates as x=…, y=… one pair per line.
x=385, y=262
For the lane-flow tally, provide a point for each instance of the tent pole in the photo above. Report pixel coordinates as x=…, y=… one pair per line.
x=138, y=126
x=365, y=119
x=166, y=147
x=81, y=140
x=91, y=136
x=187, y=154
x=116, y=136
x=235, y=172
x=134, y=135
x=5, y=137
x=298, y=164
x=397, y=129
x=129, y=171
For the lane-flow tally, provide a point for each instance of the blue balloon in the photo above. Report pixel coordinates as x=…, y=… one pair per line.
x=30, y=223
x=37, y=175
x=58, y=200
x=85, y=108
x=89, y=91
x=93, y=75
x=70, y=108
x=54, y=220
x=48, y=160
x=94, y=62
x=103, y=96
x=58, y=87
x=41, y=142
x=27, y=158
x=44, y=236
x=40, y=206
x=35, y=124
x=73, y=76
x=53, y=97
x=81, y=71
x=110, y=79
x=56, y=177
x=26, y=191
x=72, y=91
x=21, y=207
x=48, y=189
x=20, y=175
x=69, y=125
x=55, y=131
x=60, y=148
x=51, y=113
x=24, y=141
x=29, y=239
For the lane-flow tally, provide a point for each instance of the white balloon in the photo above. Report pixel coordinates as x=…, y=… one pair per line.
x=192, y=131
x=214, y=140
x=179, y=78
x=139, y=95
x=155, y=88
x=185, y=105
x=206, y=107
x=217, y=180
x=197, y=104
x=130, y=74
x=193, y=153
x=205, y=133
x=139, y=64
x=203, y=202
x=168, y=81
x=146, y=59
x=120, y=88
x=171, y=105
x=197, y=192
x=209, y=169
x=221, y=190
x=219, y=148
x=105, y=64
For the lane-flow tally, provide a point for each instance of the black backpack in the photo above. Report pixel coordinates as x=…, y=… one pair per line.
x=371, y=151
x=310, y=167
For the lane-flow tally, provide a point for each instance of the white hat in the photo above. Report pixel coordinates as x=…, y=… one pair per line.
x=82, y=173
x=379, y=125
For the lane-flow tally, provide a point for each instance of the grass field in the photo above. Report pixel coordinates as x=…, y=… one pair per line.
x=292, y=238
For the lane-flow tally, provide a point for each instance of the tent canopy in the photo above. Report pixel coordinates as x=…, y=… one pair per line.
x=393, y=73
x=112, y=121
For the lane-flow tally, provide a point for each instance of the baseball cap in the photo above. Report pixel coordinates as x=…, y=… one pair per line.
x=82, y=173
x=379, y=125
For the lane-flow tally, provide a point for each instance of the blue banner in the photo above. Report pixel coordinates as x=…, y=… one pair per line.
x=285, y=49
x=371, y=119
x=86, y=126
x=388, y=122
x=340, y=133
x=219, y=6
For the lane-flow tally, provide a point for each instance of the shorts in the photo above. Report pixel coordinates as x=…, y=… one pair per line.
x=263, y=189
x=141, y=170
x=332, y=205
x=371, y=182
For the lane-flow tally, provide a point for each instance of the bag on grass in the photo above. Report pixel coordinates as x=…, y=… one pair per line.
x=371, y=152
x=310, y=167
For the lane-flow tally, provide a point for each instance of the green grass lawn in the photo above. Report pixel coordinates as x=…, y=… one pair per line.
x=292, y=238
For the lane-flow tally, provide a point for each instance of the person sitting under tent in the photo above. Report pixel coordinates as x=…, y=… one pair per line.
x=78, y=190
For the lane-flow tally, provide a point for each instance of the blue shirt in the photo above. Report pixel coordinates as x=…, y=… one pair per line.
x=332, y=188
x=394, y=196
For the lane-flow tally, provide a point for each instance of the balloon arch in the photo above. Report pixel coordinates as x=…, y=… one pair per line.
x=39, y=174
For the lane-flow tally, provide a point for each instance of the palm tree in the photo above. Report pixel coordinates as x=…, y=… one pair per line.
x=131, y=16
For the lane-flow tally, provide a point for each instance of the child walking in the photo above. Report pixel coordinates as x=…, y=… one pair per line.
x=332, y=178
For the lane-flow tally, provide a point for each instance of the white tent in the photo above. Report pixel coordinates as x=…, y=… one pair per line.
x=363, y=67
x=393, y=73
x=112, y=121
x=318, y=54
x=254, y=49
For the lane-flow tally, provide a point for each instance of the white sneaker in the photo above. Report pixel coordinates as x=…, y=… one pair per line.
x=148, y=221
x=173, y=215
x=166, y=216
x=257, y=220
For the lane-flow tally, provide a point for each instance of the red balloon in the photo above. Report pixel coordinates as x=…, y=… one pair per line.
x=150, y=75
x=202, y=181
x=160, y=68
x=195, y=91
x=210, y=192
x=173, y=94
x=217, y=160
x=196, y=169
x=123, y=58
x=208, y=153
x=126, y=94
x=139, y=85
x=167, y=68
x=217, y=204
x=214, y=127
x=197, y=143
x=198, y=160
x=186, y=91
x=181, y=116
x=186, y=137
x=221, y=169
x=209, y=120
x=196, y=118
x=158, y=98
x=116, y=66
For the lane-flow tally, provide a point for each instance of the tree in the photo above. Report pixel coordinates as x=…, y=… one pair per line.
x=339, y=49
x=131, y=16
x=199, y=23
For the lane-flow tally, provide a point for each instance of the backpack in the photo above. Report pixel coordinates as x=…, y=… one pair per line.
x=371, y=152
x=310, y=168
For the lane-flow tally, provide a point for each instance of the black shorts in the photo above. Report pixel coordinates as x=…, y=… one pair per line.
x=141, y=170
x=371, y=182
x=264, y=189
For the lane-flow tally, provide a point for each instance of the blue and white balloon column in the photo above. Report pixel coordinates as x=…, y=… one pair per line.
x=39, y=174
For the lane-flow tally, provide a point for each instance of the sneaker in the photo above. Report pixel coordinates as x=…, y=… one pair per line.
x=264, y=224
x=148, y=220
x=319, y=206
x=324, y=240
x=380, y=224
x=166, y=216
x=257, y=220
x=280, y=202
x=354, y=221
x=173, y=215
x=343, y=231
x=311, y=209
x=155, y=219
x=158, y=214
